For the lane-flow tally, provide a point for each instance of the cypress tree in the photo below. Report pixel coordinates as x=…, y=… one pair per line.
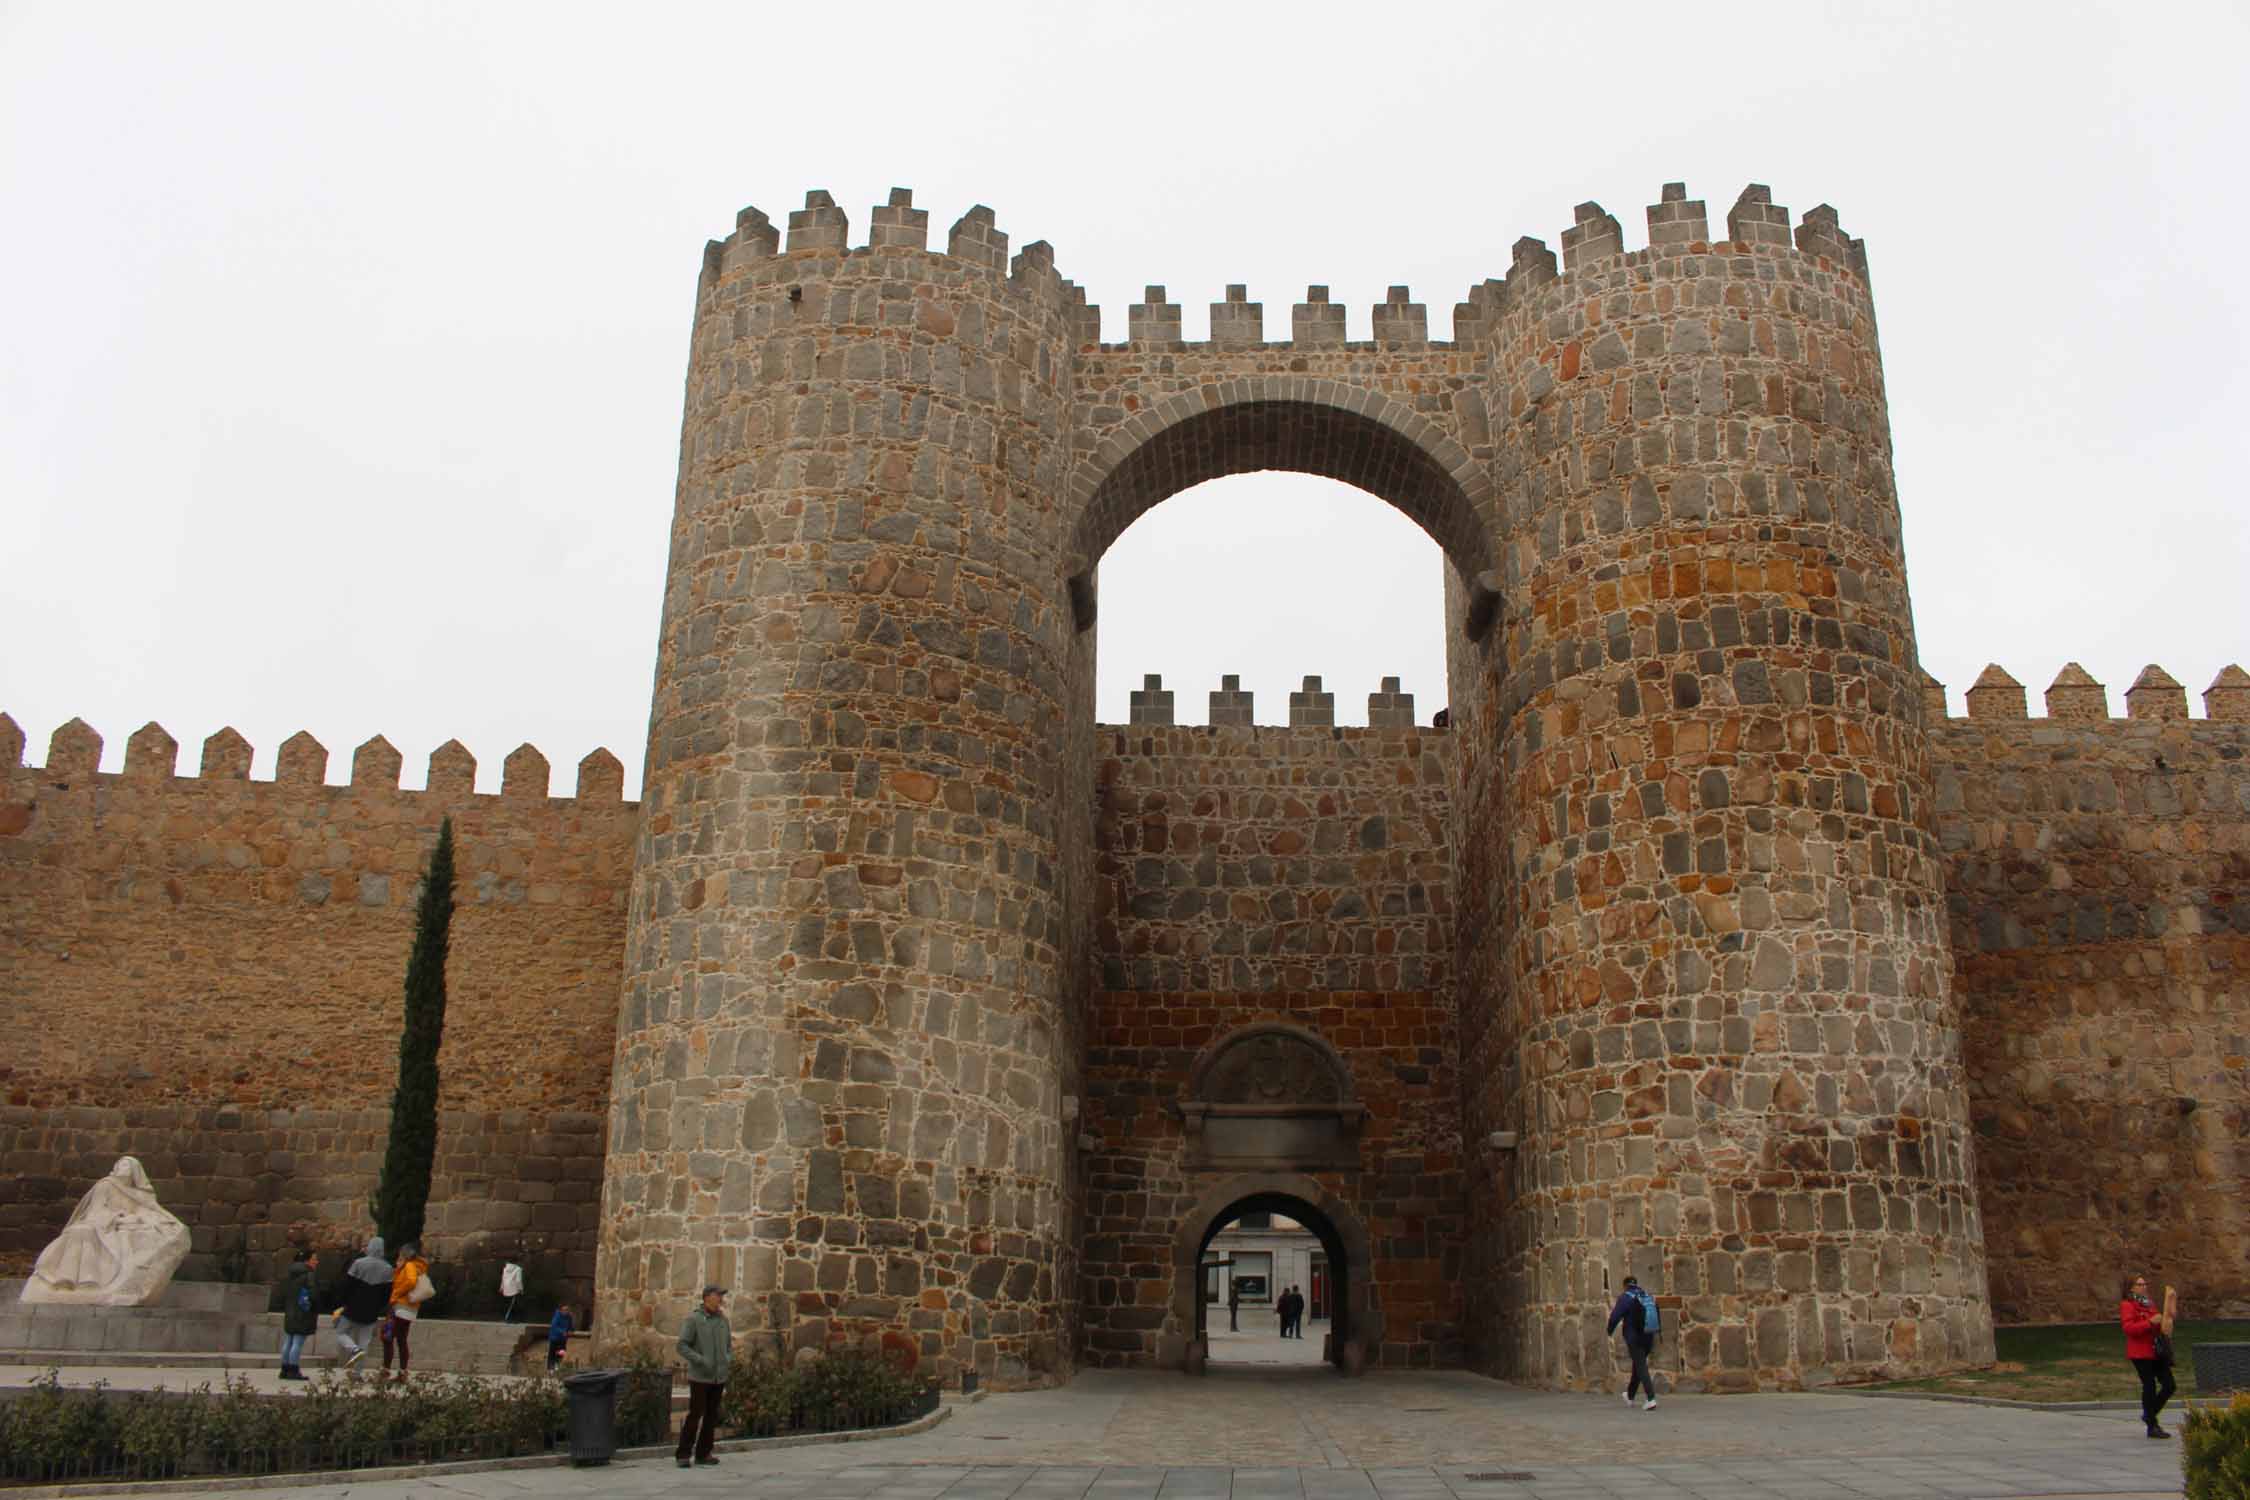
x=402, y=1193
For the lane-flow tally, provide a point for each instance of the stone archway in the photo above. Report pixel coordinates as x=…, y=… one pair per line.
x=1356, y=1327
x=1377, y=444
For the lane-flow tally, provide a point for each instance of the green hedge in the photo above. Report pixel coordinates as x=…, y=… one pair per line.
x=49, y=1433
x=2215, y=1450
x=843, y=1389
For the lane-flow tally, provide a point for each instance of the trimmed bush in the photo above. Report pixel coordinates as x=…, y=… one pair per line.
x=339, y=1422
x=2215, y=1450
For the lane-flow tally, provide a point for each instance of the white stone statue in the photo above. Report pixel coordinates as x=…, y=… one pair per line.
x=119, y=1249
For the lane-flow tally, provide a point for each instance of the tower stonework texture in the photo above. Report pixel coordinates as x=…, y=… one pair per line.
x=1691, y=938
x=1713, y=987
x=841, y=1054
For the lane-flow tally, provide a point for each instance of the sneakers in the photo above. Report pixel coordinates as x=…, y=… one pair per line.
x=2156, y=1431
x=354, y=1358
x=683, y=1463
x=1626, y=1397
x=1649, y=1404
x=707, y=1463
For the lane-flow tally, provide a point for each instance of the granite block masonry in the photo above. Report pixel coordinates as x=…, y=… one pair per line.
x=929, y=1015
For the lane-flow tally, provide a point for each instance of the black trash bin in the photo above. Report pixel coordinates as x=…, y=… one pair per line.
x=593, y=1415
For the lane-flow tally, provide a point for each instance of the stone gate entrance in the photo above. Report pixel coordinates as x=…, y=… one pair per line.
x=1664, y=906
x=1354, y=1325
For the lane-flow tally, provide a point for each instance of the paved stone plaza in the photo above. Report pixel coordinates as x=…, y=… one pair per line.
x=1284, y=1434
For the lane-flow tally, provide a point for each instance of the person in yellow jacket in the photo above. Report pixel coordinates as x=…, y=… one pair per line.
x=410, y=1288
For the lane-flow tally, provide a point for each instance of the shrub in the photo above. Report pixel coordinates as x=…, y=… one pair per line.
x=761, y=1395
x=644, y=1396
x=848, y=1387
x=50, y=1431
x=2215, y=1450
x=339, y=1422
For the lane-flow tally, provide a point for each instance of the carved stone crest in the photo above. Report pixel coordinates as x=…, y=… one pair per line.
x=1272, y=1096
x=1272, y=1067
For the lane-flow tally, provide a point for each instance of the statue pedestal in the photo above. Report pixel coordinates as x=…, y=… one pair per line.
x=191, y=1317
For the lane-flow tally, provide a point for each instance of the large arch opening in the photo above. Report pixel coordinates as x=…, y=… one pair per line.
x=1369, y=442
x=1245, y=879
x=1341, y=1324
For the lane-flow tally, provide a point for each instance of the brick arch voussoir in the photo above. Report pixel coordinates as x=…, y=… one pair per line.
x=1460, y=521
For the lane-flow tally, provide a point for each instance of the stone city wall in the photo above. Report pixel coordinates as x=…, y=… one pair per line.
x=1250, y=875
x=2098, y=877
x=206, y=971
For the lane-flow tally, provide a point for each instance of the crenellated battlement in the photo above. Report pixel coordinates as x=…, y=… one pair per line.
x=1594, y=242
x=74, y=753
x=1232, y=706
x=2075, y=697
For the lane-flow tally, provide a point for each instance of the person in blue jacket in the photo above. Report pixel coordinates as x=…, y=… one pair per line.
x=1636, y=1311
x=558, y=1334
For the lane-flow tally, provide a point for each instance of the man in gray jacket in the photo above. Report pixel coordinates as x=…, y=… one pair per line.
x=707, y=1349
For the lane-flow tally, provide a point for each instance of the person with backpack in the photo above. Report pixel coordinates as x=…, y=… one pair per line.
x=1636, y=1311
x=300, y=1318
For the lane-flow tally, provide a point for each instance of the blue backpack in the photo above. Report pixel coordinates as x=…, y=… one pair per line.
x=1651, y=1320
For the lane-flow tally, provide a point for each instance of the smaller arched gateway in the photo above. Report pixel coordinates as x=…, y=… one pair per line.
x=1355, y=1323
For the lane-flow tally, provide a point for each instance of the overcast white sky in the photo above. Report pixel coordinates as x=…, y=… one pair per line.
x=341, y=347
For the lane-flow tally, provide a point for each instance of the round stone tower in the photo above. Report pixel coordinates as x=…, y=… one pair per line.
x=1712, y=932
x=842, y=1051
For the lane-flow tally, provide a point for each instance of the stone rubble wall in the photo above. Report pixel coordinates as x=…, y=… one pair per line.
x=207, y=971
x=1259, y=875
x=1721, y=908
x=2098, y=881
x=841, y=1060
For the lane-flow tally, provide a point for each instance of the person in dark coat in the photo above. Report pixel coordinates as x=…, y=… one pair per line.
x=1632, y=1311
x=366, y=1301
x=300, y=1316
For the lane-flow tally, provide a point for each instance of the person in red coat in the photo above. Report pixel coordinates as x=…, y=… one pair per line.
x=2143, y=1322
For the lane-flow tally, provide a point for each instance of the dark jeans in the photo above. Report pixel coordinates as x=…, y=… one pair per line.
x=401, y=1329
x=699, y=1429
x=2157, y=1386
x=1642, y=1380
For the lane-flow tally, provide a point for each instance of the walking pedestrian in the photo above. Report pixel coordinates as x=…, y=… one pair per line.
x=300, y=1316
x=1636, y=1310
x=1234, y=1305
x=558, y=1335
x=410, y=1288
x=511, y=1287
x=707, y=1348
x=2148, y=1344
x=366, y=1301
x=1292, y=1313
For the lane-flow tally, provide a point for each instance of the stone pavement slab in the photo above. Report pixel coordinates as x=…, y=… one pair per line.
x=1312, y=1435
